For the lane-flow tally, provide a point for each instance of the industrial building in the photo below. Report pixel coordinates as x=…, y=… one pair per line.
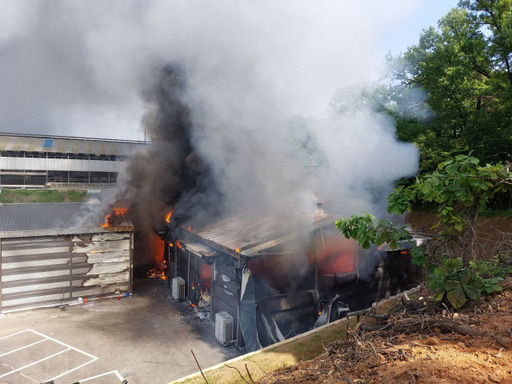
x=263, y=281
x=38, y=161
x=59, y=254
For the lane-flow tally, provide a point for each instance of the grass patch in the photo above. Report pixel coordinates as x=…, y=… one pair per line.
x=42, y=196
x=286, y=354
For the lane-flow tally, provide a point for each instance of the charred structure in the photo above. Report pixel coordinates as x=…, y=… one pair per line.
x=269, y=282
x=245, y=248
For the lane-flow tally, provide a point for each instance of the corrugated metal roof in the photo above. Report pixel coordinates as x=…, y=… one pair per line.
x=74, y=145
x=248, y=235
x=50, y=216
x=20, y=217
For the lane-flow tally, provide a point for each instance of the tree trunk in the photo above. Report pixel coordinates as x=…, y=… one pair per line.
x=470, y=255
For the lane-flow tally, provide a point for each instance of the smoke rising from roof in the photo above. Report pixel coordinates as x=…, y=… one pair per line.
x=246, y=115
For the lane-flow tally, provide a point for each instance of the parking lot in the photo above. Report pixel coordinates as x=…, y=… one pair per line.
x=146, y=338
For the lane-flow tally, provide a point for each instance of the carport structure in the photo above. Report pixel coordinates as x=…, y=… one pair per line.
x=52, y=255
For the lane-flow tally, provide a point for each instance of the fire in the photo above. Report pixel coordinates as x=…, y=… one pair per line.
x=169, y=216
x=115, y=213
x=120, y=211
x=237, y=250
x=158, y=272
x=179, y=244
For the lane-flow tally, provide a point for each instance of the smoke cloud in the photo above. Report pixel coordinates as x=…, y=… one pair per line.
x=234, y=94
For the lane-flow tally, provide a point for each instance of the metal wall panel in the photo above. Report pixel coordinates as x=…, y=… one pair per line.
x=44, y=164
x=225, y=289
x=68, y=145
x=56, y=270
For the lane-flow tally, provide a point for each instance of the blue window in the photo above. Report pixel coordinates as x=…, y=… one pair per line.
x=48, y=143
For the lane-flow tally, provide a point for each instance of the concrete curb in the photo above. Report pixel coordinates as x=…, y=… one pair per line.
x=293, y=339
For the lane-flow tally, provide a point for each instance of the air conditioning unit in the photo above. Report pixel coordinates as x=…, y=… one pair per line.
x=178, y=288
x=224, y=328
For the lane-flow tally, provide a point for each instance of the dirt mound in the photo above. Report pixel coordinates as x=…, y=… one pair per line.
x=431, y=345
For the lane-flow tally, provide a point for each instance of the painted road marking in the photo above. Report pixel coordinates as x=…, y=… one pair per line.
x=20, y=348
x=46, y=338
x=103, y=374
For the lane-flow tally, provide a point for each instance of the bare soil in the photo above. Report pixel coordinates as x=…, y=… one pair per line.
x=413, y=349
x=423, y=343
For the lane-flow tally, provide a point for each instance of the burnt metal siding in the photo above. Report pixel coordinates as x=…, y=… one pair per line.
x=182, y=264
x=225, y=289
x=56, y=270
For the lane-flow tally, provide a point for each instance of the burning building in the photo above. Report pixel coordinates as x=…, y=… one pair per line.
x=263, y=281
x=51, y=257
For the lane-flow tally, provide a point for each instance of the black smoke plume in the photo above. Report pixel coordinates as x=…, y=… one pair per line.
x=169, y=174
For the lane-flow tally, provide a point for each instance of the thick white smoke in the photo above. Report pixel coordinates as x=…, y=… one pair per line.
x=74, y=67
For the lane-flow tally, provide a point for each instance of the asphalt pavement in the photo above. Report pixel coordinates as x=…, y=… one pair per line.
x=144, y=339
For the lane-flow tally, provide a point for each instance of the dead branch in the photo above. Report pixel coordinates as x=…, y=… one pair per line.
x=198, y=366
x=240, y=373
x=446, y=325
x=249, y=374
x=360, y=322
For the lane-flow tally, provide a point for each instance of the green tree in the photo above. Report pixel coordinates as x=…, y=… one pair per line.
x=464, y=66
x=460, y=189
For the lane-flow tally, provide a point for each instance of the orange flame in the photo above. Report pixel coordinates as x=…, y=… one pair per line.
x=115, y=212
x=169, y=216
x=179, y=244
x=237, y=249
x=120, y=211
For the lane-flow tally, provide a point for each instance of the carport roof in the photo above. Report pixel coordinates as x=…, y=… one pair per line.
x=37, y=219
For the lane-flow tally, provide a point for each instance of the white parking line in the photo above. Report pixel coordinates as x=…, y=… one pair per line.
x=71, y=370
x=64, y=344
x=20, y=348
x=48, y=338
x=103, y=374
x=14, y=334
x=34, y=363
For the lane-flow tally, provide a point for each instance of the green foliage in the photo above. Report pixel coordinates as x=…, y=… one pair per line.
x=464, y=67
x=41, y=196
x=419, y=256
x=450, y=281
x=459, y=188
x=367, y=230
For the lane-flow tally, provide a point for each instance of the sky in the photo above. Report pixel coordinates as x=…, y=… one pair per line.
x=80, y=68
x=406, y=32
